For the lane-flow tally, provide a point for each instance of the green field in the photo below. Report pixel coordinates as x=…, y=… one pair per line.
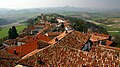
x=4, y=31
x=111, y=28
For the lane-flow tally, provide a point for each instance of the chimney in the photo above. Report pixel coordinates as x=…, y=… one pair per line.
x=66, y=31
x=31, y=32
x=15, y=52
x=100, y=42
x=56, y=39
x=46, y=34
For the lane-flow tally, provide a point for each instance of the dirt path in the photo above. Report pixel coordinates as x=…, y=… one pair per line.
x=113, y=31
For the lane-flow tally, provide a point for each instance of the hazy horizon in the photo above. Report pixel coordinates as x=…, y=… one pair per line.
x=25, y=4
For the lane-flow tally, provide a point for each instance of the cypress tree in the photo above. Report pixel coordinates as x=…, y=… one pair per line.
x=62, y=25
x=10, y=33
x=14, y=32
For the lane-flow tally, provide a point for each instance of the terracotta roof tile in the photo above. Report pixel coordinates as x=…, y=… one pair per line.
x=26, y=39
x=43, y=37
x=66, y=52
x=42, y=44
x=10, y=41
x=59, y=37
x=108, y=43
x=7, y=59
x=96, y=37
x=60, y=55
x=53, y=34
x=74, y=39
x=63, y=46
x=25, y=48
x=32, y=43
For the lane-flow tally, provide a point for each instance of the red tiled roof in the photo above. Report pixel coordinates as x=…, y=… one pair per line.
x=109, y=47
x=102, y=35
x=32, y=44
x=7, y=59
x=59, y=37
x=60, y=55
x=65, y=41
x=25, y=48
x=96, y=37
x=53, y=34
x=10, y=41
x=66, y=52
x=43, y=31
x=42, y=44
x=5, y=54
x=26, y=39
x=108, y=43
x=74, y=39
x=43, y=37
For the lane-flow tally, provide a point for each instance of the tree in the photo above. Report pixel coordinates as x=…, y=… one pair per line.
x=0, y=28
x=53, y=20
x=62, y=25
x=79, y=26
x=12, y=33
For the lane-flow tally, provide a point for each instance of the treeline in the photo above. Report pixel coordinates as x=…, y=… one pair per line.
x=46, y=17
x=116, y=41
x=83, y=26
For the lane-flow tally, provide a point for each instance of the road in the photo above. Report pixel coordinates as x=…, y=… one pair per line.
x=93, y=22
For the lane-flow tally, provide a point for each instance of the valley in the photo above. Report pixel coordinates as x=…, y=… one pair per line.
x=109, y=19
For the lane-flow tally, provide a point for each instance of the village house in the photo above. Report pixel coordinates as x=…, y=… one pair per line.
x=60, y=20
x=28, y=44
x=103, y=39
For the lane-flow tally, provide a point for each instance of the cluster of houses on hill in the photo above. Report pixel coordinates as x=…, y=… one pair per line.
x=50, y=45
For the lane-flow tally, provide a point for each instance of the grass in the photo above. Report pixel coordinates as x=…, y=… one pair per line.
x=20, y=28
x=117, y=46
x=4, y=31
x=114, y=33
x=108, y=28
x=111, y=28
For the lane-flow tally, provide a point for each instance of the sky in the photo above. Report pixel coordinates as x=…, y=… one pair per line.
x=22, y=4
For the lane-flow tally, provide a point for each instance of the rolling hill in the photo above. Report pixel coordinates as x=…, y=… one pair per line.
x=24, y=14
x=5, y=21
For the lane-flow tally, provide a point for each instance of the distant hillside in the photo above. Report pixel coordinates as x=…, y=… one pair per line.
x=24, y=14
x=5, y=21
